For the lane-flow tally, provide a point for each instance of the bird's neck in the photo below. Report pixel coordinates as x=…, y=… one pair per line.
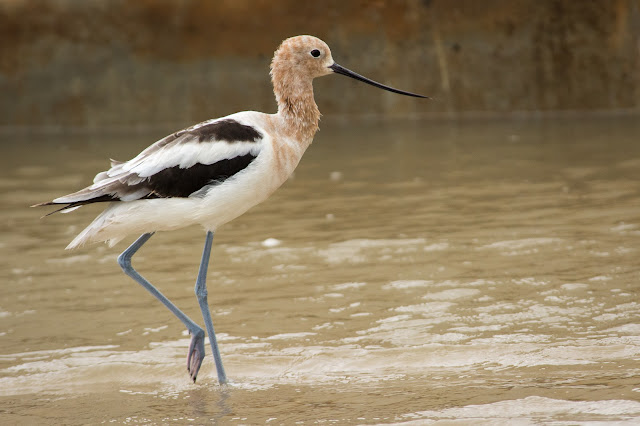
x=297, y=108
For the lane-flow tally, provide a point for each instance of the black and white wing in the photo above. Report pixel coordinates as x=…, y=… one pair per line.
x=183, y=164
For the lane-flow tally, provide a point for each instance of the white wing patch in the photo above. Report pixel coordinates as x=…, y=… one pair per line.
x=185, y=154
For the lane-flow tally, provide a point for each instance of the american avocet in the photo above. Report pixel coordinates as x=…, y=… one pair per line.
x=211, y=173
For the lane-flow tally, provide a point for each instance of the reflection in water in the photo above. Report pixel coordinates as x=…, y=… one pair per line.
x=410, y=271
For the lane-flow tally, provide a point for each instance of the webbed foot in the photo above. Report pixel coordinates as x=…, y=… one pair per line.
x=196, y=354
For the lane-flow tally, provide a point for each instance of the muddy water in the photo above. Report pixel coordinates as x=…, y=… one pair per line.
x=411, y=272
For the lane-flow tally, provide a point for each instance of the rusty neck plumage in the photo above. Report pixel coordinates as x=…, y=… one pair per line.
x=293, y=89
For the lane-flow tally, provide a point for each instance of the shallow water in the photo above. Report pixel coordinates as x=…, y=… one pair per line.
x=479, y=272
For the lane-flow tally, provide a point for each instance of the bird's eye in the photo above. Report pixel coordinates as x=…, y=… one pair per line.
x=315, y=53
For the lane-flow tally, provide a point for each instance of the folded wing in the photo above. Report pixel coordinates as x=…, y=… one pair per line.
x=184, y=164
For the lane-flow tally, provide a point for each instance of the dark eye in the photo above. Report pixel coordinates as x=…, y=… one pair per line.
x=315, y=53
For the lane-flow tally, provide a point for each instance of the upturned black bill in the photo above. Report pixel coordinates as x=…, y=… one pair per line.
x=338, y=69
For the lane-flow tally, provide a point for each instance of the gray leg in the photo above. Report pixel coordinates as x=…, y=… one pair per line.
x=201, y=294
x=196, y=348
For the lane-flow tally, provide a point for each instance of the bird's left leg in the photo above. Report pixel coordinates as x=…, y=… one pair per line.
x=201, y=294
x=196, y=348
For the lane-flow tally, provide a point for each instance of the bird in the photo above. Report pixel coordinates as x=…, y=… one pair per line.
x=209, y=174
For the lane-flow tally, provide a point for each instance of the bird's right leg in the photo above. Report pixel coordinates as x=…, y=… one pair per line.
x=196, y=348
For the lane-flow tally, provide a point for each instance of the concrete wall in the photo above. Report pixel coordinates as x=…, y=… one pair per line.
x=100, y=63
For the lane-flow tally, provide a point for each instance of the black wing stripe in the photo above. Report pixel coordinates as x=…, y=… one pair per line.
x=177, y=182
x=221, y=130
x=224, y=130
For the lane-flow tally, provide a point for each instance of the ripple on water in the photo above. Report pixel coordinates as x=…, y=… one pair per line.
x=532, y=408
x=262, y=361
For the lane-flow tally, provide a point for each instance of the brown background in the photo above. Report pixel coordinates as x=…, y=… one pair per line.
x=101, y=63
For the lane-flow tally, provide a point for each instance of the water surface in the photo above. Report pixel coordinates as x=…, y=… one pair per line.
x=411, y=272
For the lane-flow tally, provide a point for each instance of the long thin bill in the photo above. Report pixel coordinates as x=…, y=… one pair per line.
x=338, y=69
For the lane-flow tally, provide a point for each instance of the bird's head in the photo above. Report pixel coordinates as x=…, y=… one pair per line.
x=303, y=58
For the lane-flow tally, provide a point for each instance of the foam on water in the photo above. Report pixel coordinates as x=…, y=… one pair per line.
x=299, y=361
x=532, y=409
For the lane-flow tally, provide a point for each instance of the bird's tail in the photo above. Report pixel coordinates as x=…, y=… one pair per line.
x=97, y=231
x=87, y=235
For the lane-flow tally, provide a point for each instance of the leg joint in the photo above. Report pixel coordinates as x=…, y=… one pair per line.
x=199, y=333
x=201, y=292
x=124, y=260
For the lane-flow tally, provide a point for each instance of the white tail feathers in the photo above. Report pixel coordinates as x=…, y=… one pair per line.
x=96, y=231
x=82, y=238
